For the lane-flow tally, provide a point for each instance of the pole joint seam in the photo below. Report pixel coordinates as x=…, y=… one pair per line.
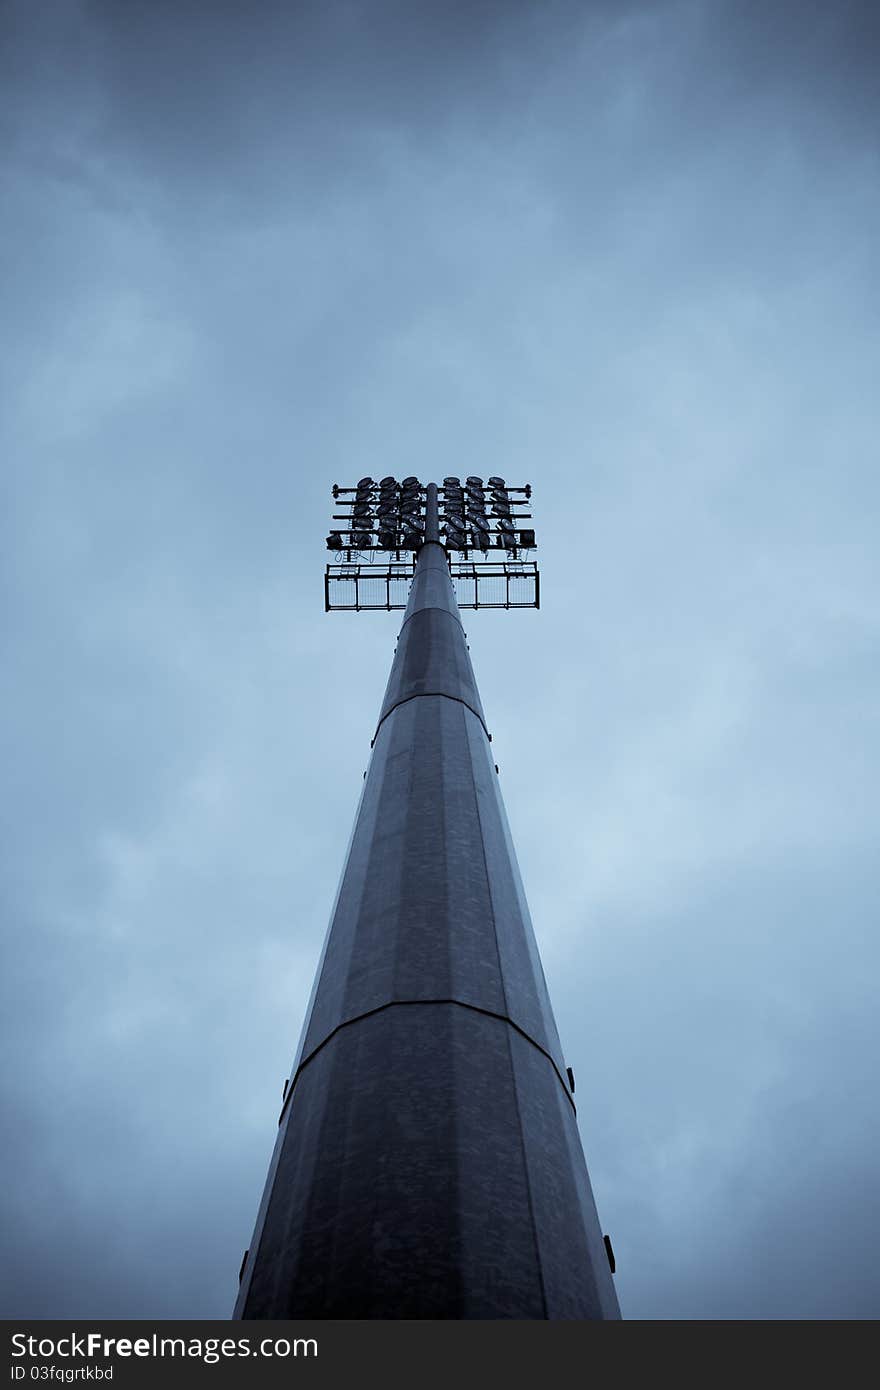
x=402, y=1003
x=430, y=608
x=444, y=694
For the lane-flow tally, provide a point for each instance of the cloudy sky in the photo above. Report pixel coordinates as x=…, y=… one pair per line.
x=625, y=251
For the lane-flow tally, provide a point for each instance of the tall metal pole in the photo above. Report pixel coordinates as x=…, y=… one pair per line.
x=428, y=1163
x=432, y=519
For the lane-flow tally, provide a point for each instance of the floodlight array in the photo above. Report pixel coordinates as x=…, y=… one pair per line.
x=478, y=517
x=473, y=518
x=387, y=515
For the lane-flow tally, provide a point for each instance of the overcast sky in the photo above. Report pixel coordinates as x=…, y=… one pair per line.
x=624, y=251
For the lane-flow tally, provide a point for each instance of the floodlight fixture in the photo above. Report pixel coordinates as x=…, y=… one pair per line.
x=481, y=538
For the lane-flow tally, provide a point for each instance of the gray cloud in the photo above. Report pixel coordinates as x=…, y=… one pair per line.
x=625, y=252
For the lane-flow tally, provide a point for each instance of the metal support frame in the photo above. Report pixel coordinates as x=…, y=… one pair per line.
x=368, y=579
x=372, y=588
x=487, y=575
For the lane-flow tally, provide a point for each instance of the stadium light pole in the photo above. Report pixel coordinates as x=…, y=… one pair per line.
x=428, y=1162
